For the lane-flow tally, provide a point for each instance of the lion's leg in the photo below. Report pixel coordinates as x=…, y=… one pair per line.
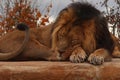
x=49, y=53
x=116, y=52
x=78, y=55
x=36, y=50
x=99, y=56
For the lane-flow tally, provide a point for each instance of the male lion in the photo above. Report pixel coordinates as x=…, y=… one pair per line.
x=79, y=33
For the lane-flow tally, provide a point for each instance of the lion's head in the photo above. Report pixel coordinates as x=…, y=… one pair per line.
x=71, y=22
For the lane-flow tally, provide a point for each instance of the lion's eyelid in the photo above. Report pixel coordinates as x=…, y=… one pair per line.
x=73, y=42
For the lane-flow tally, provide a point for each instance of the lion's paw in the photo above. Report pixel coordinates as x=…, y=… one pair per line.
x=96, y=59
x=78, y=55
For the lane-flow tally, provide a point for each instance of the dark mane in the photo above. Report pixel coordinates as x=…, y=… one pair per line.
x=80, y=13
x=84, y=11
x=103, y=36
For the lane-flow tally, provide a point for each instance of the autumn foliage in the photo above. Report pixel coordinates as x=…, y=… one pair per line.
x=21, y=12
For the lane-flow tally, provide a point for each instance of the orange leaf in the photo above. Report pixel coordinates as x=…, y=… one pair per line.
x=44, y=20
x=38, y=14
x=42, y=23
x=0, y=16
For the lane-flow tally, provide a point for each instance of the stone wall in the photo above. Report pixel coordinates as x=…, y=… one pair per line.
x=45, y=70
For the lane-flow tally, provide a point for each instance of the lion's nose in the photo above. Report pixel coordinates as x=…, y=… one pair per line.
x=61, y=51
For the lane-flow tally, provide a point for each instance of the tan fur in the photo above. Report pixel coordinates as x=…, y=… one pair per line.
x=54, y=35
x=116, y=51
x=5, y=55
x=38, y=46
x=89, y=33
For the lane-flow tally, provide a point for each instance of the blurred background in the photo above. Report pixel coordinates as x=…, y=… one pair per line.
x=43, y=12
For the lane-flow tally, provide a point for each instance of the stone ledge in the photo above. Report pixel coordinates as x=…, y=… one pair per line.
x=44, y=70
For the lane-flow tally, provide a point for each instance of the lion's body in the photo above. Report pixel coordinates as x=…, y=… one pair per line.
x=38, y=46
x=79, y=33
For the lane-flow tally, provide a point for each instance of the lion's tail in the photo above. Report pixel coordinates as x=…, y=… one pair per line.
x=9, y=55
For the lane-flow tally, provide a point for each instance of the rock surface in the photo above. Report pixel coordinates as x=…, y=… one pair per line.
x=46, y=70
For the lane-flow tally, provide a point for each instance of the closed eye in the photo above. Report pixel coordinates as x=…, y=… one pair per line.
x=74, y=42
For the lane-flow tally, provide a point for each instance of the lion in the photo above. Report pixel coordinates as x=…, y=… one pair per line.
x=78, y=34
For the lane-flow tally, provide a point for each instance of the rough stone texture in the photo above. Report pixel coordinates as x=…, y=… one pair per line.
x=45, y=70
